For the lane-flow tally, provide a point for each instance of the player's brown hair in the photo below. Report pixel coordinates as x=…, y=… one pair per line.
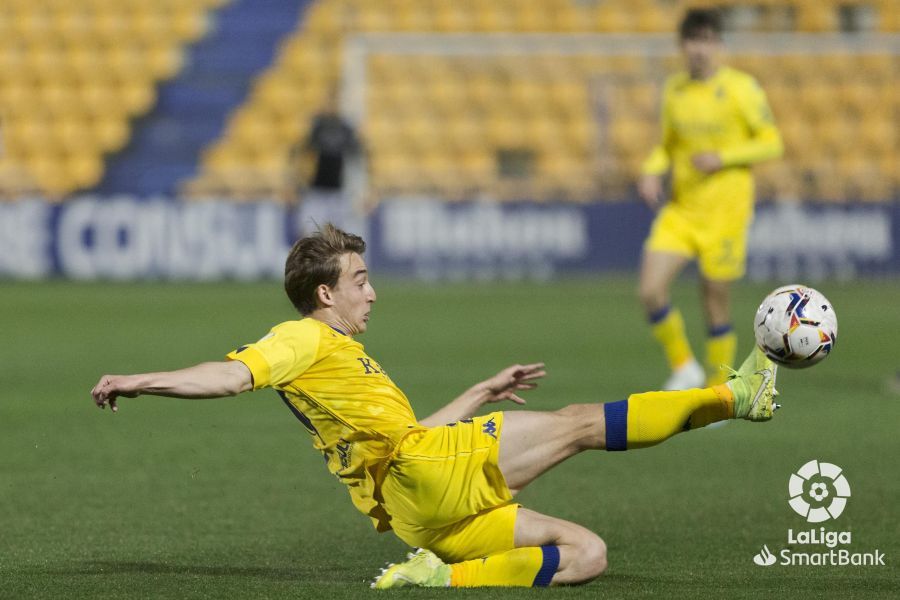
x=697, y=21
x=315, y=260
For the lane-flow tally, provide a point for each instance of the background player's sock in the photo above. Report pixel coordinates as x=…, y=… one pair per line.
x=668, y=329
x=652, y=417
x=721, y=347
x=520, y=567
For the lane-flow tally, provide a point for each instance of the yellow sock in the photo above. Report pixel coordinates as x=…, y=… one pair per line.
x=520, y=567
x=652, y=417
x=721, y=348
x=712, y=412
x=668, y=329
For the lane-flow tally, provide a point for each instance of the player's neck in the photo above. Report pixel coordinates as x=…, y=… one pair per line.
x=328, y=317
x=705, y=74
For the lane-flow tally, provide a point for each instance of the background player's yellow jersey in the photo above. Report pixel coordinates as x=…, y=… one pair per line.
x=727, y=114
x=353, y=411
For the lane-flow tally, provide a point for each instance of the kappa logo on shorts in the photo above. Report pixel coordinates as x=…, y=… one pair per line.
x=490, y=428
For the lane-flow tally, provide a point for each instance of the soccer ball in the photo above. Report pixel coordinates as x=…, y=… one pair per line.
x=796, y=326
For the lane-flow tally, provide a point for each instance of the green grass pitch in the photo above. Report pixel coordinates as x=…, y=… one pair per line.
x=226, y=499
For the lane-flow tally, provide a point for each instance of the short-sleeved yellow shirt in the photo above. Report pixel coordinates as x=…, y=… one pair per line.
x=355, y=414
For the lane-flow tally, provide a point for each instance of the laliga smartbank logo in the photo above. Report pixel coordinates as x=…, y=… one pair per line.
x=818, y=492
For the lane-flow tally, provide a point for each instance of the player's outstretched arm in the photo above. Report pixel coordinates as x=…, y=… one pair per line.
x=502, y=386
x=206, y=380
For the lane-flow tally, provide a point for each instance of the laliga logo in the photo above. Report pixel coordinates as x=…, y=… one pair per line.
x=818, y=491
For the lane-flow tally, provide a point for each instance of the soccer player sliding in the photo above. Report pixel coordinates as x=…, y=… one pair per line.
x=446, y=483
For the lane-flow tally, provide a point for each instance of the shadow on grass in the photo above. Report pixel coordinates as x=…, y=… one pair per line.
x=163, y=568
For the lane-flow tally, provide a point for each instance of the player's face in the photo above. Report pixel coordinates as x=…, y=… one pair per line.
x=702, y=53
x=353, y=295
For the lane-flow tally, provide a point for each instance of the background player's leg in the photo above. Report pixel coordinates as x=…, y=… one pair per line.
x=721, y=344
x=658, y=271
x=548, y=550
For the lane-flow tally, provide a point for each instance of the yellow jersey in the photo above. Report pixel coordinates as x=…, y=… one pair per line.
x=727, y=114
x=354, y=413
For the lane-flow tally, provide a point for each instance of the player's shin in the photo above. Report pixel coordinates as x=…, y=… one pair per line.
x=520, y=567
x=652, y=417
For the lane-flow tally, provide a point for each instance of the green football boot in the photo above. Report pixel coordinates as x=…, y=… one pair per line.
x=423, y=569
x=753, y=386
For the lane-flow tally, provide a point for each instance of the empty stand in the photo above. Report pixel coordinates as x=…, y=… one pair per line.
x=101, y=95
x=444, y=124
x=74, y=74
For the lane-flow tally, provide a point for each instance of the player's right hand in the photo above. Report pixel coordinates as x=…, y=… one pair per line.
x=111, y=387
x=649, y=188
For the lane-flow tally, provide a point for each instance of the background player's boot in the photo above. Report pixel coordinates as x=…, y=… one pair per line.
x=753, y=386
x=687, y=376
x=423, y=569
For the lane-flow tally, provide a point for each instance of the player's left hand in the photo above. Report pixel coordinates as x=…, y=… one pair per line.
x=110, y=387
x=505, y=384
x=707, y=162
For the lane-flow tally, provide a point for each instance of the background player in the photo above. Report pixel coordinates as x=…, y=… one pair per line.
x=716, y=123
x=445, y=482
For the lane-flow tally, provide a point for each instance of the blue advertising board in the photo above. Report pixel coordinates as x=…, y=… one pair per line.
x=129, y=239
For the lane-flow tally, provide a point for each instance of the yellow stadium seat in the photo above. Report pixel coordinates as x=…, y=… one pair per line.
x=137, y=96
x=817, y=17
x=505, y=131
x=163, y=62
x=190, y=23
x=111, y=25
x=111, y=132
x=326, y=18
x=75, y=134
x=531, y=18
x=291, y=128
x=529, y=94
x=448, y=17
x=15, y=179
x=655, y=16
x=50, y=175
x=493, y=17
x=447, y=94
x=422, y=131
x=84, y=169
x=817, y=98
x=47, y=63
x=151, y=26
x=465, y=132
x=19, y=97
x=878, y=136
x=581, y=134
x=565, y=18
x=611, y=18
x=223, y=159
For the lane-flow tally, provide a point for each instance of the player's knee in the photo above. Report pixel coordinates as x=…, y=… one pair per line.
x=581, y=424
x=594, y=556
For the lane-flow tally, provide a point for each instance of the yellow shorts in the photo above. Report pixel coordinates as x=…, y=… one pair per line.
x=445, y=492
x=720, y=248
